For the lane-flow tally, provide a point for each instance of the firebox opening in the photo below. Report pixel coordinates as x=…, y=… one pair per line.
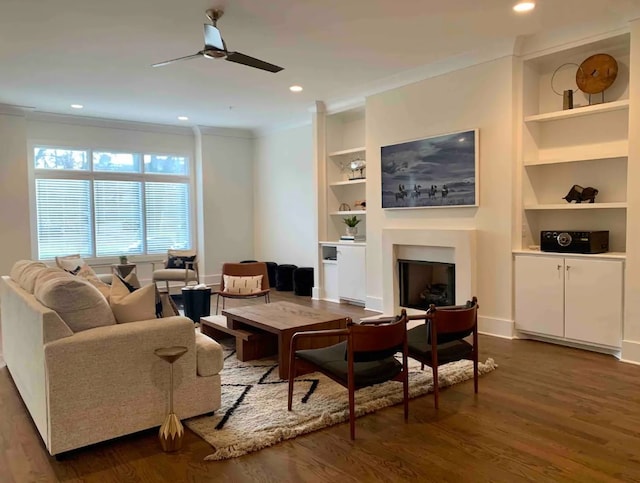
x=423, y=283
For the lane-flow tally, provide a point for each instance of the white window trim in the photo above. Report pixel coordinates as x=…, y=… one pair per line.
x=34, y=174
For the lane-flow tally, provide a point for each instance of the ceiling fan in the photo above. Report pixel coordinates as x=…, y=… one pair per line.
x=215, y=48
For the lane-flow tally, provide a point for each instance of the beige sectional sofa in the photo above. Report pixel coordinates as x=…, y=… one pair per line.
x=99, y=383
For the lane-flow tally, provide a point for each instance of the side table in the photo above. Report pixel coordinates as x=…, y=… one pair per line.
x=171, y=432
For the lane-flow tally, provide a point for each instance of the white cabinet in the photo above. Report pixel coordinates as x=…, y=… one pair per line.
x=351, y=273
x=579, y=299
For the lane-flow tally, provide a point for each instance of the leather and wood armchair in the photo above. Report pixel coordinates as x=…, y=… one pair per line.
x=365, y=358
x=242, y=281
x=440, y=339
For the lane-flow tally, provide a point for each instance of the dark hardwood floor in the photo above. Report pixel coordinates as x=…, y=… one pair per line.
x=548, y=413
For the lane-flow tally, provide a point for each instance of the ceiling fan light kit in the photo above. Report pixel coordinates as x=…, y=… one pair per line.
x=216, y=48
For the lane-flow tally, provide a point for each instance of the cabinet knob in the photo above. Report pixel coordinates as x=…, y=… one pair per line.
x=559, y=267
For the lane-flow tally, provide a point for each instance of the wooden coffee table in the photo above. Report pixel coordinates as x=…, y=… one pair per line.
x=264, y=330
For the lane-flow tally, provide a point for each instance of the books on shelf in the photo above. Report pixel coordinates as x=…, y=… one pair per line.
x=352, y=238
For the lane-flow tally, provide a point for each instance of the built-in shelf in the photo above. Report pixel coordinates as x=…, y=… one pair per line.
x=348, y=151
x=329, y=262
x=342, y=242
x=616, y=255
x=577, y=206
x=579, y=111
x=352, y=212
x=348, y=182
x=591, y=156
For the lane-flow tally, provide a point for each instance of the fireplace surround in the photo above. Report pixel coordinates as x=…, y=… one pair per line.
x=452, y=246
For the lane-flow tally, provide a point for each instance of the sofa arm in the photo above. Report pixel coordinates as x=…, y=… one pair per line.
x=107, y=381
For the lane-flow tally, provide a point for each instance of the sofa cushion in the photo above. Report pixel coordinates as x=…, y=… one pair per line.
x=27, y=278
x=77, y=302
x=209, y=355
x=49, y=273
x=242, y=285
x=132, y=306
x=17, y=269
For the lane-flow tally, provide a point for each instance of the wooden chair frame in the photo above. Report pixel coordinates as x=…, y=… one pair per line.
x=449, y=320
x=382, y=335
x=244, y=270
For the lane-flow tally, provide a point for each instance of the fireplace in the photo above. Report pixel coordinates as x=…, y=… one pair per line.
x=422, y=283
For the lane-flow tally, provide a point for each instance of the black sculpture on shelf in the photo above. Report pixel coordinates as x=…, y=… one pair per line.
x=579, y=194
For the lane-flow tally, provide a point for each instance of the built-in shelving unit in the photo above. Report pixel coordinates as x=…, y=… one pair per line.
x=587, y=145
x=342, y=264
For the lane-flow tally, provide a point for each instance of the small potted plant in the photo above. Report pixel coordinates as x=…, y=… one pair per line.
x=123, y=259
x=352, y=225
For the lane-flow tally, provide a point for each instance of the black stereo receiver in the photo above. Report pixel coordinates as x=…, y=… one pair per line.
x=574, y=241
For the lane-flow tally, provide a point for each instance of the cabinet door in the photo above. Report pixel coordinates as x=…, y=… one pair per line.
x=351, y=272
x=593, y=301
x=539, y=295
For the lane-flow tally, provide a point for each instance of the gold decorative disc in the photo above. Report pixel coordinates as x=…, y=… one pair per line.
x=596, y=73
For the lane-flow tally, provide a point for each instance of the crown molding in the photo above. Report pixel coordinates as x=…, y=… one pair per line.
x=228, y=132
x=11, y=110
x=109, y=123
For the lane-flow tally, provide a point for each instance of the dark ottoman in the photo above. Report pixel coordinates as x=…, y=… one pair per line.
x=284, y=277
x=303, y=281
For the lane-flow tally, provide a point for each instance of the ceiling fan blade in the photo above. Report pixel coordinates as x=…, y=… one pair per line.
x=212, y=37
x=239, y=58
x=186, y=57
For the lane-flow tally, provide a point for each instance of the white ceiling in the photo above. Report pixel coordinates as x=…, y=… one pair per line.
x=99, y=53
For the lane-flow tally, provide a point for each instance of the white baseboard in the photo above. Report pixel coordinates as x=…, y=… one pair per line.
x=496, y=327
x=630, y=352
x=374, y=304
x=612, y=351
x=316, y=293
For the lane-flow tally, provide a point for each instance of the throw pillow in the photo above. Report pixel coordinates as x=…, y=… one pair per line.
x=70, y=263
x=242, y=285
x=77, y=302
x=177, y=261
x=87, y=273
x=133, y=306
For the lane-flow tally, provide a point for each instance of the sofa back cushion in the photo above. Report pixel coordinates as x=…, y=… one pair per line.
x=77, y=302
x=50, y=273
x=25, y=272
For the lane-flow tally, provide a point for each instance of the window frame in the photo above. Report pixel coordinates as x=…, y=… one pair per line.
x=91, y=175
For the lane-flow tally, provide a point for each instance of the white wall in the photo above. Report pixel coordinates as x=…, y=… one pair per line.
x=15, y=242
x=284, y=205
x=479, y=97
x=227, y=187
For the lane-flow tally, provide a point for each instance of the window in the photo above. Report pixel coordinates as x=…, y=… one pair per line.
x=101, y=203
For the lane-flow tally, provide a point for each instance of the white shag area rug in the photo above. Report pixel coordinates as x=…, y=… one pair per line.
x=254, y=403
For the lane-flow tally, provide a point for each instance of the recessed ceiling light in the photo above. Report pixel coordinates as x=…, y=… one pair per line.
x=524, y=6
x=77, y=106
x=183, y=118
x=295, y=88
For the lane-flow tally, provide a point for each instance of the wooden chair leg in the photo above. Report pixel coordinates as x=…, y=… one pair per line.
x=405, y=382
x=435, y=384
x=217, y=303
x=167, y=284
x=292, y=376
x=475, y=372
x=352, y=411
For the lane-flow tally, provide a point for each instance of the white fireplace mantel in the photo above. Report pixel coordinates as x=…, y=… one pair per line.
x=461, y=242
